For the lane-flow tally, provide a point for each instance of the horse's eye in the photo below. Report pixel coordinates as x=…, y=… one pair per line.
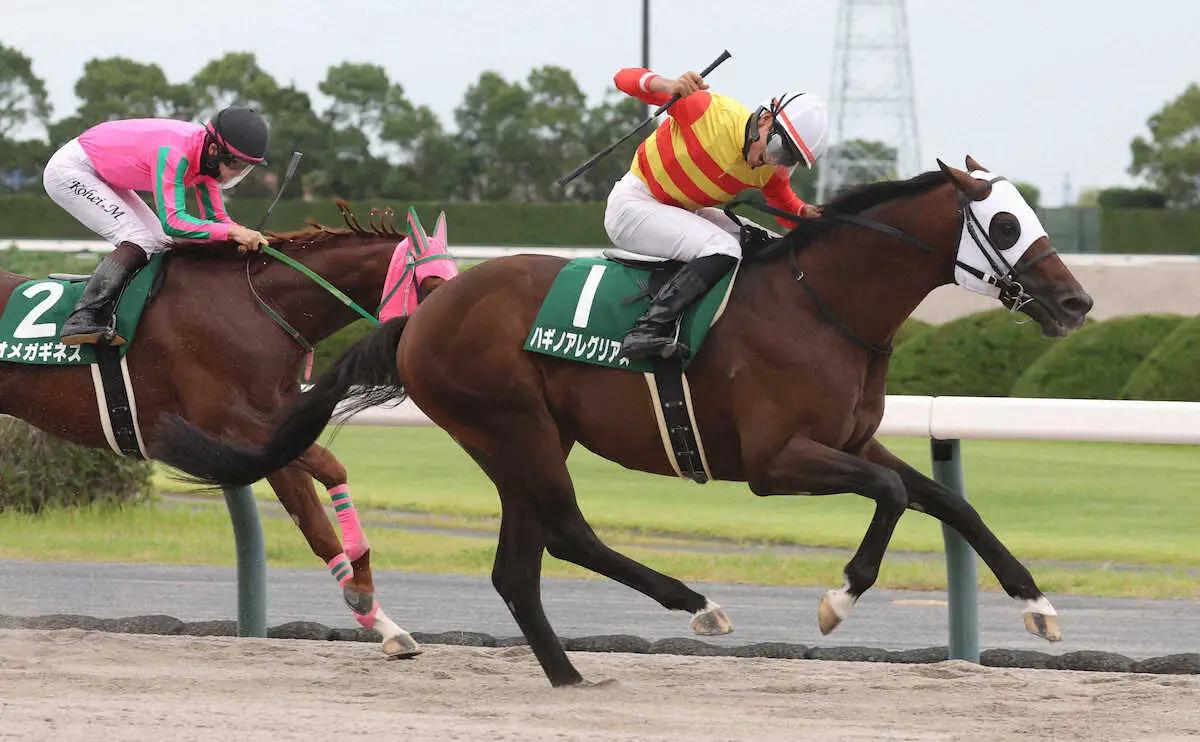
x=1005, y=230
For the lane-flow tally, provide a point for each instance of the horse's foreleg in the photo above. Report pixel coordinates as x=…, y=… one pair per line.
x=809, y=468
x=295, y=490
x=326, y=469
x=927, y=496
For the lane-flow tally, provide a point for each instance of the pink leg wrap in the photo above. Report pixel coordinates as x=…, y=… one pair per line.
x=340, y=568
x=368, y=619
x=353, y=538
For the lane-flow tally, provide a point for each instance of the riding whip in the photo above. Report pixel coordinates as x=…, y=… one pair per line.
x=287, y=178
x=594, y=158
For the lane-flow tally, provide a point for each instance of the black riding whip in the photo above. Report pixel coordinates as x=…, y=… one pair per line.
x=592, y=160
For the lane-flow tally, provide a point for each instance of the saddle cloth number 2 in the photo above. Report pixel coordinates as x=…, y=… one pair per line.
x=30, y=327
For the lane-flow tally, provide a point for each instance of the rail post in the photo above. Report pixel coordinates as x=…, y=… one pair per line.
x=961, y=578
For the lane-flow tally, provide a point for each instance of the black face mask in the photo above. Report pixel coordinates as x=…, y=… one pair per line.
x=210, y=165
x=751, y=134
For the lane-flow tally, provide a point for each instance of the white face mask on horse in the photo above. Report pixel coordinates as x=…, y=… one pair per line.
x=997, y=231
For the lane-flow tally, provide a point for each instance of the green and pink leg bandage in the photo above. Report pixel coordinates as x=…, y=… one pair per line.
x=341, y=570
x=353, y=539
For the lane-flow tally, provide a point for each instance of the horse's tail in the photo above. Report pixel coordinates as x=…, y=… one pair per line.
x=364, y=375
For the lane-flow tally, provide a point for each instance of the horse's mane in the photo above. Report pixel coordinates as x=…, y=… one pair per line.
x=852, y=201
x=381, y=223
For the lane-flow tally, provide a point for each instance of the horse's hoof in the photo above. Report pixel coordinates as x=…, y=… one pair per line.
x=1041, y=619
x=712, y=621
x=401, y=647
x=835, y=606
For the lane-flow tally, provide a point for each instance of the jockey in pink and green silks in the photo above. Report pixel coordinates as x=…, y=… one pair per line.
x=96, y=177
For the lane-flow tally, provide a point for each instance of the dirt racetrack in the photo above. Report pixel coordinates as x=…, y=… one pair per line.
x=81, y=685
x=1121, y=285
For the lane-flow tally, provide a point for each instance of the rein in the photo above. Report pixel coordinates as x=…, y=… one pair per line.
x=1012, y=294
x=798, y=272
x=329, y=287
x=302, y=268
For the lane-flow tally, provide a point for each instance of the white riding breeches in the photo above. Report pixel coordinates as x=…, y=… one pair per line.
x=638, y=222
x=116, y=214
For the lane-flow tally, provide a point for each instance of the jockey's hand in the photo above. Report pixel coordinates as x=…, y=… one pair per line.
x=247, y=239
x=811, y=211
x=685, y=84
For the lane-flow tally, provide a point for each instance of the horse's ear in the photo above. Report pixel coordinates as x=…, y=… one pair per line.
x=439, y=228
x=976, y=189
x=416, y=232
x=972, y=165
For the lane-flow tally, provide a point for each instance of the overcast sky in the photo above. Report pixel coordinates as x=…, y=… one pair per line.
x=1038, y=90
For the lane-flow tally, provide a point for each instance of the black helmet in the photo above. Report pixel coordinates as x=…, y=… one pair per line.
x=242, y=132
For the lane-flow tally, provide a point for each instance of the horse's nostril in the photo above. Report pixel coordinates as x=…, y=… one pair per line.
x=1077, y=304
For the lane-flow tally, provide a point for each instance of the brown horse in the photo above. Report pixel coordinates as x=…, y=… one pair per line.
x=788, y=390
x=207, y=351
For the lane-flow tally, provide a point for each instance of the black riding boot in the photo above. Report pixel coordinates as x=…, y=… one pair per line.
x=89, y=321
x=655, y=332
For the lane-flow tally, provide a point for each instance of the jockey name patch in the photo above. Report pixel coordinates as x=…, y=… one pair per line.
x=34, y=315
x=586, y=314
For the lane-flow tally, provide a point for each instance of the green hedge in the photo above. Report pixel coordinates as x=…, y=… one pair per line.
x=1172, y=370
x=980, y=355
x=1096, y=361
x=911, y=328
x=582, y=224
x=571, y=223
x=331, y=347
x=1125, y=231
x=39, y=471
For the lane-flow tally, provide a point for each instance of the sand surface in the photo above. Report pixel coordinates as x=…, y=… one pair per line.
x=1167, y=285
x=79, y=685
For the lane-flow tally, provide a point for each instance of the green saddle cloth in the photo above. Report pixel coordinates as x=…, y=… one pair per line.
x=584, y=317
x=34, y=315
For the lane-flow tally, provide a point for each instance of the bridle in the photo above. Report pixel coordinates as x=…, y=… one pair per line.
x=1004, y=277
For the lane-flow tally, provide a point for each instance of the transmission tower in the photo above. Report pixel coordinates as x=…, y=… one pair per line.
x=872, y=114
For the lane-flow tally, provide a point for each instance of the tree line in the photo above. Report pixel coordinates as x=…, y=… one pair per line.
x=510, y=141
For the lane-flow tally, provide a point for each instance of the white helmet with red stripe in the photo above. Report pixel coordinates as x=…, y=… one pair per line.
x=800, y=131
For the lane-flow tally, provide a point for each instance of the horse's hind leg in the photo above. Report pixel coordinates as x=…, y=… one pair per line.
x=568, y=536
x=927, y=496
x=517, y=570
x=293, y=486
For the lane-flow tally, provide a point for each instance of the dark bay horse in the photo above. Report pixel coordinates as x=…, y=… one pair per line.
x=788, y=390
x=207, y=351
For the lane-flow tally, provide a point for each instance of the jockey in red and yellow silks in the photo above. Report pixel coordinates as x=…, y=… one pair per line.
x=708, y=150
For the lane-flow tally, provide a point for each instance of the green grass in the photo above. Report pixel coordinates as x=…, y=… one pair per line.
x=39, y=264
x=201, y=534
x=1099, y=504
x=1090, y=502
